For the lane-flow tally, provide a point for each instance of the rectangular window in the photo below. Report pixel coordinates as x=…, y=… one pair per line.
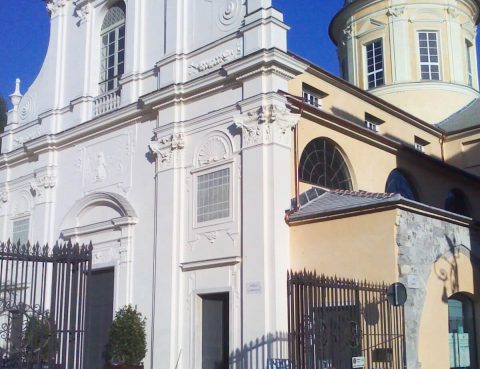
x=429, y=55
x=113, y=58
x=311, y=99
x=215, y=331
x=375, y=74
x=213, y=195
x=372, y=122
x=20, y=231
x=468, y=50
x=313, y=96
x=420, y=144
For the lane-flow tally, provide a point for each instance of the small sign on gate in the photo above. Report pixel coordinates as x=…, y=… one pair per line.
x=358, y=362
x=278, y=364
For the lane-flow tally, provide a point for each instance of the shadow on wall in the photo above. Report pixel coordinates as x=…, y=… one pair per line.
x=449, y=277
x=347, y=116
x=255, y=354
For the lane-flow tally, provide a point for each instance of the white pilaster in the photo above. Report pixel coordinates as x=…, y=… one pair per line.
x=266, y=162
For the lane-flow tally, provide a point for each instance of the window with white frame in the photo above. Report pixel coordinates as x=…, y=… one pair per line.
x=468, y=55
x=429, y=55
x=420, y=144
x=375, y=71
x=112, y=63
x=311, y=99
x=372, y=122
x=20, y=231
x=312, y=96
x=213, y=195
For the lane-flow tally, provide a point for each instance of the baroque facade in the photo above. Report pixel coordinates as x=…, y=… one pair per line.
x=173, y=135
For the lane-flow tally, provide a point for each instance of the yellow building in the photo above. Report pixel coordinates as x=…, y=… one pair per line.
x=387, y=186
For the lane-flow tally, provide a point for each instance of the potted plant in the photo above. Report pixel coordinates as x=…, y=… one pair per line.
x=127, y=344
x=39, y=341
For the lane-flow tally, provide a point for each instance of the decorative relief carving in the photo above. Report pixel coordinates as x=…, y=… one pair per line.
x=347, y=33
x=167, y=150
x=225, y=56
x=266, y=125
x=54, y=5
x=107, y=163
x=214, y=150
x=228, y=13
x=211, y=236
x=31, y=133
x=396, y=12
x=22, y=203
x=453, y=12
x=3, y=195
x=27, y=111
x=82, y=12
x=40, y=185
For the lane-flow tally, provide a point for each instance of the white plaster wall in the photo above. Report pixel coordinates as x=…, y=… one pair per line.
x=200, y=97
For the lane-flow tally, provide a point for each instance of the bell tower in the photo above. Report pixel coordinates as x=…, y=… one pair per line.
x=419, y=56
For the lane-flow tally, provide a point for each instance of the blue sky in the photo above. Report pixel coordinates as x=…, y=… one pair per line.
x=24, y=30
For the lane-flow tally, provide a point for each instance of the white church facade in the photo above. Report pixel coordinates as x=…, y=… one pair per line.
x=154, y=130
x=182, y=139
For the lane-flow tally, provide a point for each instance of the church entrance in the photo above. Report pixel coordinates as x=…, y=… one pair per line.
x=99, y=317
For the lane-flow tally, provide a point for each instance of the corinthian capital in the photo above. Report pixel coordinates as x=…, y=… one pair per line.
x=167, y=149
x=268, y=124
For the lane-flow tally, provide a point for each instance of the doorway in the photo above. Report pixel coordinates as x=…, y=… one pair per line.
x=99, y=317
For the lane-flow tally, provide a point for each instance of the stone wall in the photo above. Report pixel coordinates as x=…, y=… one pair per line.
x=421, y=241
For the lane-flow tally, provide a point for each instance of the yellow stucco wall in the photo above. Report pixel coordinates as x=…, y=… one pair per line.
x=449, y=275
x=397, y=25
x=347, y=247
x=370, y=161
x=463, y=151
x=343, y=104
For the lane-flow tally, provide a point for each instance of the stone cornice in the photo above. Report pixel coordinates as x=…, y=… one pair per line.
x=130, y=114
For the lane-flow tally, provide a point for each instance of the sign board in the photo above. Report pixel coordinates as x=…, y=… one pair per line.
x=358, y=362
x=397, y=294
x=413, y=281
x=278, y=364
x=254, y=288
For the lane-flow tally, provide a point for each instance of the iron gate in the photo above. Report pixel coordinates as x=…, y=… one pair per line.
x=334, y=322
x=42, y=305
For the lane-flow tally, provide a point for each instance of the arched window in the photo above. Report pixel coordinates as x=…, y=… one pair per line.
x=397, y=182
x=457, y=202
x=323, y=164
x=113, y=47
x=461, y=331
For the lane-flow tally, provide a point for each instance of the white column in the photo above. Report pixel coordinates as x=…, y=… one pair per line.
x=400, y=45
x=456, y=45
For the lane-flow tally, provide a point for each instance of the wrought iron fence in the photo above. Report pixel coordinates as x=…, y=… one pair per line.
x=42, y=305
x=339, y=323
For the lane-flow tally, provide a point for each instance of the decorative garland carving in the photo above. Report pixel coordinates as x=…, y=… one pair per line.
x=225, y=56
x=166, y=149
x=396, y=12
x=54, y=5
x=82, y=12
x=267, y=125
